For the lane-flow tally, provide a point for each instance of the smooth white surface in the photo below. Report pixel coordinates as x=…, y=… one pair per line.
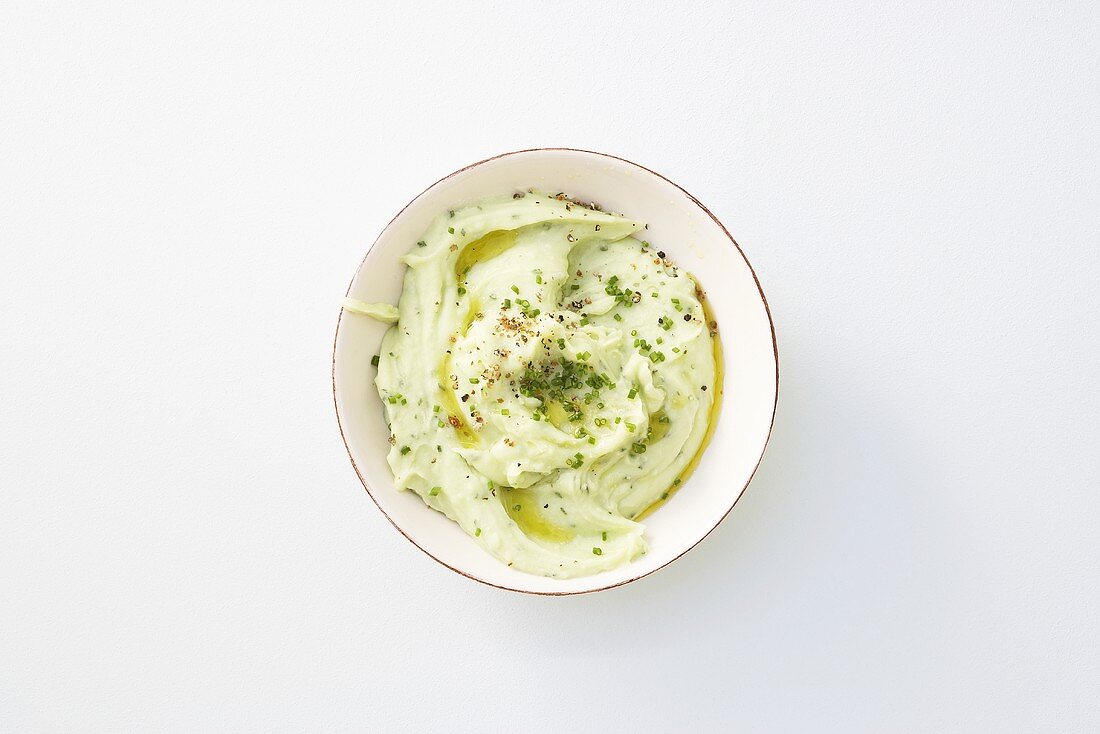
x=185, y=190
x=674, y=223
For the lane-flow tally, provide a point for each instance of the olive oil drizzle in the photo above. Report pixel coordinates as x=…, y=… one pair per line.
x=524, y=509
x=484, y=248
x=457, y=420
x=456, y=417
x=712, y=419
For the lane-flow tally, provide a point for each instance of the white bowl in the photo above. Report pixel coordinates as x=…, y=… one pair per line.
x=693, y=239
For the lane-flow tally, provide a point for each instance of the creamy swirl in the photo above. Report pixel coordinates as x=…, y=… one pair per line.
x=549, y=380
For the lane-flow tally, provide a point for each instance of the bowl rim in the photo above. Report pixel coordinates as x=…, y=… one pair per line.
x=759, y=289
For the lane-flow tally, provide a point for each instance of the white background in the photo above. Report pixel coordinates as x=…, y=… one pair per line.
x=186, y=189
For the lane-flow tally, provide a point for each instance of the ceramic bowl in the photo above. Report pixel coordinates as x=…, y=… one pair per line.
x=693, y=238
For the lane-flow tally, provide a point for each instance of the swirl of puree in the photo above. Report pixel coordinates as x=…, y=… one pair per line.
x=549, y=380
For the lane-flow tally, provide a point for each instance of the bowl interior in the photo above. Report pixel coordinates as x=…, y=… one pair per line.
x=693, y=239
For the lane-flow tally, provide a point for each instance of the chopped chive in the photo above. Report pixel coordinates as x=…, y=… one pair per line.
x=435, y=491
x=597, y=551
x=604, y=535
x=477, y=533
x=515, y=289
x=618, y=317
x=638, y=448
x=374, y=361
x=421, y=243
x=405, y=450
x=633, y=393
x=450, y=230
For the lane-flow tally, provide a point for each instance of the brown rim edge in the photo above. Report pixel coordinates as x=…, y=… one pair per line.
x=775, y=352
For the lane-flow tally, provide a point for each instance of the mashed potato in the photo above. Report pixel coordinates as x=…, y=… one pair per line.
x=550, y=379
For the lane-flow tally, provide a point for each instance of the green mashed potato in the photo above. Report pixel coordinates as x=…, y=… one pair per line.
x=550, y=379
